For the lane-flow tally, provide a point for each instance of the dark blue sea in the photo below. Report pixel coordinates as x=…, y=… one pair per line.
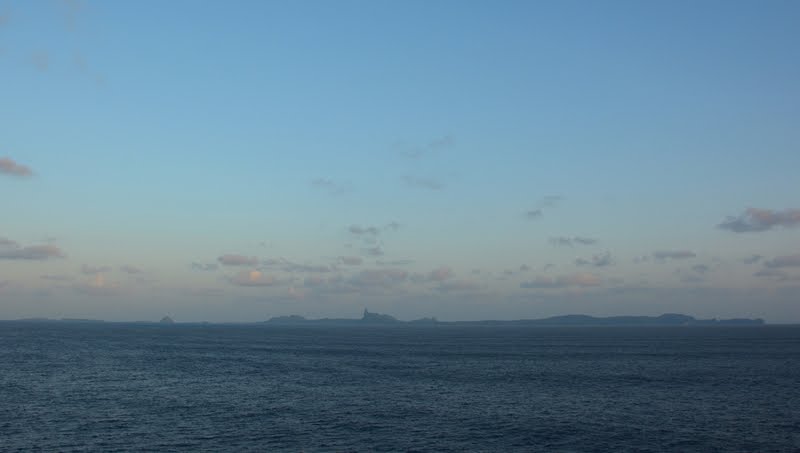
x=122, y=387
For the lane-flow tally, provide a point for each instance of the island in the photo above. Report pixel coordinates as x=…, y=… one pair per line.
x=667, y=319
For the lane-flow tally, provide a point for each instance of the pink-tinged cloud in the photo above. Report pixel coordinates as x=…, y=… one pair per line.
x=9, y=167
x=237, y=260
x=33, y=252
x=351, y=260
x=784, y=261
x=564, y=281
x=252, y=278
x=756, y=219
x=440, y=274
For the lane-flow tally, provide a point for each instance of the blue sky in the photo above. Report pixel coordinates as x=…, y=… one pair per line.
x=232, y=161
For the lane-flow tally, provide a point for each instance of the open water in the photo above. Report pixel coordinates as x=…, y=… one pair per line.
x=121, y=387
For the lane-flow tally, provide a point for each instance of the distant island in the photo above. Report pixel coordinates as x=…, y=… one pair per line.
x=667, y=319
x=369, y=318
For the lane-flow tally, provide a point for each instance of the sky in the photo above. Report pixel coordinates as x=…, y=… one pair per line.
x=238, y=160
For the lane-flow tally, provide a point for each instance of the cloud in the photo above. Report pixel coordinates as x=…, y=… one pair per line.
x=252, y=278
x=664, y=255
x=358, y=230
x=330, y=186
x=5, y=17
x=445, y=141
x=56, y=278
x=776, y=273
x=394, y=263
x=292, y=267
x=416, y=152
x=33, y=252
x=567, y=241
x=8, y=243
x=752, y=259
x=375, y=251
x=9, y=167
x=534, y=214
x=784, y=261
x=129, y=269
x=351, y=260
x=564, y=281
x=756, y=219
x=204, y=266
x=440, y=274
x=423, y=183
x=600, y=260
x=550, y=201
x=524, y=268
x=92, y=270
x=701, y=268
x=237, y=260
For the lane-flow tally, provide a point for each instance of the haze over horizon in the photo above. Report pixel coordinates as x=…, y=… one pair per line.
x=234, y=161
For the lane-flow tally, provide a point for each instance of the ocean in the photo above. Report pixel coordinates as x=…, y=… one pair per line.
x=140, y=387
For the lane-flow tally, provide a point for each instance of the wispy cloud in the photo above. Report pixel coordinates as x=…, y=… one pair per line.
x=756, y=219
x=567, y=241
x=56, y=278
x=534, y=214
x=375, y=251
x=752, y=259
x=330, y=186
x=237, y=260
x=776, y=274
x=8, y=243
x=130, y=269
x=599, y=260
x=784, y=261
x=351, y=260
x=10, y=167
x=547, y=202
x=358, y=230
x=550, y=201
x=563, y=281
x=664, y=255
x=422, y=183
x=33, y=252
x=204, y=266
x=420, y=151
